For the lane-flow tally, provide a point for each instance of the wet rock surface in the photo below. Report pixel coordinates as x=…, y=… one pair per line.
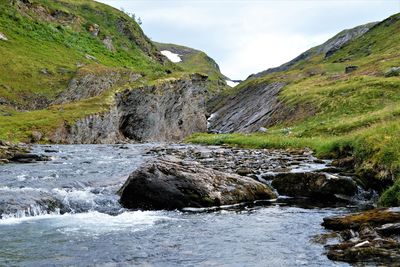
x=313, y=184
x=248, y=162
x=369, y=237
x=28, y=158
x=171, y=183
x=9, y=151
x=294, y=173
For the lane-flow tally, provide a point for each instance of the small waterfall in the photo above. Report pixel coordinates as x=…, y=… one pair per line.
x=31, y=211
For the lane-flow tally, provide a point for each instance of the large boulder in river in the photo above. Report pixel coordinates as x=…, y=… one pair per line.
x=170, y=183
x=312, y=184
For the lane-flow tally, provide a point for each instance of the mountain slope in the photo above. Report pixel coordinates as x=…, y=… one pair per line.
x=343, y=104
x=196, y=61
x=49, y=41
x=66, y=63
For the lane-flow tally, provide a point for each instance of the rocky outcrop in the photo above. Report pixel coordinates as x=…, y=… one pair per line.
x=93, y=129
x=367, y=237
x=248, y=110
x=135, y=34
x=28, y=158
x=87, y=85
x=168, y=111
x=170, y=183
x=9, y=151
x=108, y=43
x=323, y=186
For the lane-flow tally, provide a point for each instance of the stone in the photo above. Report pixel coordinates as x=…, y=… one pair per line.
x=366, y=245
x=36, y=136
x=366, y=252
x=346, y=163
x=28, y=158
x=94, y=29
x=389, y=229
x=91, y=57
x=314, y=184
x=376, y=217
x=350, y=69
x=170, y=183
x=392, y=72
x=3, y=37
x=262, y=130
x=108, y=43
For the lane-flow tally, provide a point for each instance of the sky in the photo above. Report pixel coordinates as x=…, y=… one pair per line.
x=246, y=37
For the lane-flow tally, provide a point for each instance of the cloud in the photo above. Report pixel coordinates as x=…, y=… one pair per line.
x=246, y=37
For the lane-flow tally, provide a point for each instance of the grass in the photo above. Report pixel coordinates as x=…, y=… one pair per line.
x=43, y=54
x=48, y=43
x=354, y=114
x=195, y=61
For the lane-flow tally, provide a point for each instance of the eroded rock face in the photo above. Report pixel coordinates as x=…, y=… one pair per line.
x=93, y=129
x=367, y=237
x=93, y=84
x=170, y=183
x=166, y=112
x=248, y=110
x=170, y=111
x=313, y=184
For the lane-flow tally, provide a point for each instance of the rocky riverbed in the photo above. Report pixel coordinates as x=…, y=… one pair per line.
x=279, y=195
x=293, y=173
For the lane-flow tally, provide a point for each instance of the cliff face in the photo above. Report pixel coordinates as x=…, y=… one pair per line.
x=169, y=111
x=247, y=111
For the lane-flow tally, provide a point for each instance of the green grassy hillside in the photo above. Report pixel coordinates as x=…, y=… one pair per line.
x=338, y=113
x=195, y=61
x=49, y=43
x=49, y=40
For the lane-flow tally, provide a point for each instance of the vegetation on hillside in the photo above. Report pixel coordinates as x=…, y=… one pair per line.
x=195, y=61
x=338, y=113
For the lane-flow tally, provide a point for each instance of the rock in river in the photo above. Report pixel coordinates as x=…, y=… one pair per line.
x=170, y=183
x=314, y=184
x=367, y=237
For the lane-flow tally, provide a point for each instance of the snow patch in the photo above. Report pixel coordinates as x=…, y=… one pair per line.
x=175, y=58
x=231, y=83
x=3, y=37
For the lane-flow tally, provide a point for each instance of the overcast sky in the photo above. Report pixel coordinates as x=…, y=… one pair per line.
x=246, y=37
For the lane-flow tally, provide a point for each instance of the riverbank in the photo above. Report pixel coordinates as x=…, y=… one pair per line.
x=375, y=152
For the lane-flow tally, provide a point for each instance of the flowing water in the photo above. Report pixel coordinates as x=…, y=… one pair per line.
x=66, y=212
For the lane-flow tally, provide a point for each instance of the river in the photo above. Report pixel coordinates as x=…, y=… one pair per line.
x=66, y=212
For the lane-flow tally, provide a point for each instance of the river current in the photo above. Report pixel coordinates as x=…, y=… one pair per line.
x=65, y=212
